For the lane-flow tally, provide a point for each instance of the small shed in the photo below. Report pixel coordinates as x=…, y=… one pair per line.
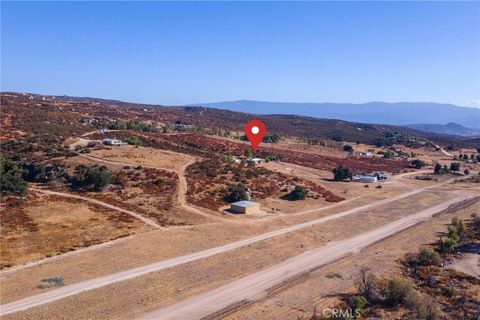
x=245, y=207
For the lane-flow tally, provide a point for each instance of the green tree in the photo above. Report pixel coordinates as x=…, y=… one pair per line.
x=455, y=166
x=341, y=173
x=11, y=179
x=237, y=193
x=91, y=177
x=438, y=169
x=299, y=193
x=347, y=148
x=418, y=164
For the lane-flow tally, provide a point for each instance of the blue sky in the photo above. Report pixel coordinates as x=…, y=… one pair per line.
x=184, y=52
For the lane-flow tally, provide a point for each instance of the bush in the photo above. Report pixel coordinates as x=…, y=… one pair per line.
x=228, y=158
x=272, y=138
x=397, y=292
x=341, y=173
x=299, y=193
x=11, y=179
x=134, y=141
x=357, y=303
x=438, y=169
x=51, y=282
x=428, y=257
x=347, y=148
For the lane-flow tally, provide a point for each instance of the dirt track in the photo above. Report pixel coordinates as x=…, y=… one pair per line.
x=91, y=284
x=103, y=204
x=257, y=285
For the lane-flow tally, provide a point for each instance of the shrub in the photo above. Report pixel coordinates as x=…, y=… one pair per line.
x=428, y=257
x=397, y=292
x=347, y=148
x=357, y=303
x=51, y=282
x=438, y=169
x=228, y=158
x=134, y=141
x=272, y=138
x=11, y=178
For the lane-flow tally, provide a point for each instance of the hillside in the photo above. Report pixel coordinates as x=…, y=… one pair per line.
x=26, y=113
x=400, y=113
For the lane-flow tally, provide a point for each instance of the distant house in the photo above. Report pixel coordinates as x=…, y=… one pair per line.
x=366, y=153
x=113, y=142
x=365, y=178
x=245, y=207
x=256, y=160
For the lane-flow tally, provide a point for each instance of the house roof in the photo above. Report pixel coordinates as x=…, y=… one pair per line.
x=245, y=204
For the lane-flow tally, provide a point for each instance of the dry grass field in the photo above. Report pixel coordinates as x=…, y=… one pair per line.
x=45, y=226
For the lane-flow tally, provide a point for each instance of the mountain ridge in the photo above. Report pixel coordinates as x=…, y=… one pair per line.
x=391, y=113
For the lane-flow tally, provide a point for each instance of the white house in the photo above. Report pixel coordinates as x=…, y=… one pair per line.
x=113, y=142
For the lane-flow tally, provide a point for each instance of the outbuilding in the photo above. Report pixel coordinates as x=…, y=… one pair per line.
x=364, y=178
x=245, y=207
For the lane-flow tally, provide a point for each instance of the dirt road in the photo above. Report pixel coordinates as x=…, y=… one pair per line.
x=181, y=185
x=91, y=284
x=255, y=286
x=103, y=204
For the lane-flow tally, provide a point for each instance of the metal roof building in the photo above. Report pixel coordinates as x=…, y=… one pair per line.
x=245, y=207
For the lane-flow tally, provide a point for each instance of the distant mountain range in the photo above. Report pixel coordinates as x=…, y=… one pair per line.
x=449, y=128
x=399, y=113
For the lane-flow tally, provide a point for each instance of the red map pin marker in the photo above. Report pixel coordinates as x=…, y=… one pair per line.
x=255, y=131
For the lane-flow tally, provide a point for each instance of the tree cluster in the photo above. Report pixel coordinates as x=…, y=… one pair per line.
x=342, y=173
